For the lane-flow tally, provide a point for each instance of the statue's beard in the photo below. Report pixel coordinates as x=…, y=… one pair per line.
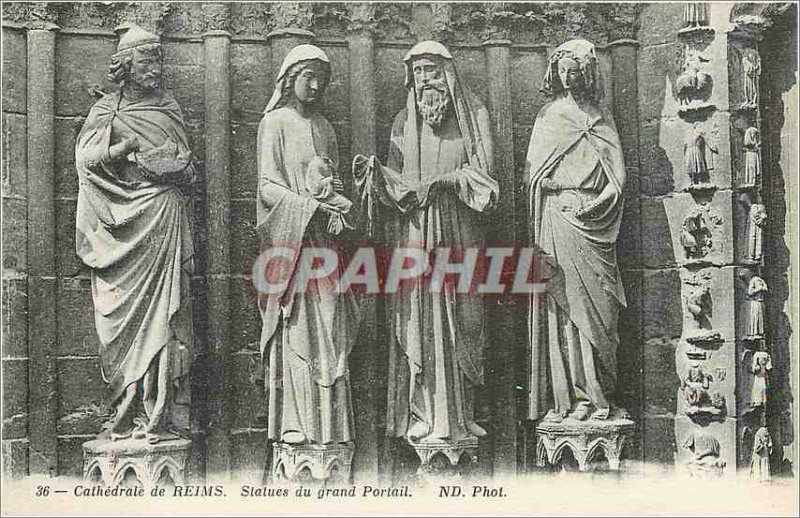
x=433, y=101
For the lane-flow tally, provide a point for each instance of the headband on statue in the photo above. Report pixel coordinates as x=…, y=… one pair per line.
x=581, y=52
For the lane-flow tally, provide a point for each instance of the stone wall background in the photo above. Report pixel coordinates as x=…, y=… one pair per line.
x=500, y=51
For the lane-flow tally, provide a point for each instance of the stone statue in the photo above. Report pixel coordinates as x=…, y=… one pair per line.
x=762, y=449
x=695, y=236
x=695, y=152
x=751, y=70
x=759, y=366
x=307, y=332
x=692, y=82
x=133, y=232
x=695, y=386
x=433, y=192
x=752, y=162
x=757, y=219
x=756, y=289
x=575, y=176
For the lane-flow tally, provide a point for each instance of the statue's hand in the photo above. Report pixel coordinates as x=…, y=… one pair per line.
x=586, y=212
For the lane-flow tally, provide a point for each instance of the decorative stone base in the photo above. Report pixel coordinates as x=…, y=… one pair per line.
x=585, y=440
x=134, y=461
x=444, y=459
x=304, y=463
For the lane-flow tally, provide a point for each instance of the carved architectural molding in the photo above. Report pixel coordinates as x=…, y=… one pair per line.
x=361, y=17
x=148, y=15
x=135, y=462
x=446, y=459
x=291, y=18
x=216, y=17
x=329, y=464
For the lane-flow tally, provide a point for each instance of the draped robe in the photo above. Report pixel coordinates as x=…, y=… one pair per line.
x=436, y=353
x=307, y=336
x=573, y=324
x=135, y=235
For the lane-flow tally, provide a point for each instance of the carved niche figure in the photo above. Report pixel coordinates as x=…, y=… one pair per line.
x=695, y=236
x=759, y=364
x=695, y=387
x=434, y=190
x=752, y=161
x=757, y=219
x=700, y=307
x=756, y=289
x=705, y=459
x=133, y=231
x=762, y=449
x=575, y=175
x=692, y=82
x=696, y=156
x=307, y=331
x=751, y=70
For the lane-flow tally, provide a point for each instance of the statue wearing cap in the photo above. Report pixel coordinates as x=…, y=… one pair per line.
x=433, y=193
x=307, y=333
x=575, y=174
x=133, y=231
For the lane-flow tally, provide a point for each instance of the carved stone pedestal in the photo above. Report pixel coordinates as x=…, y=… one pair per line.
x=588, y=441
x=445, y=459
x=134, y=461
x=320, y=463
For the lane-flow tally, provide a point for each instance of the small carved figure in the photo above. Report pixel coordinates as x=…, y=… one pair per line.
x=752, y=161
x=695, y=14
x=756, y=289
x=692, y=81
x=751, y=68
x=696, y=158
x=705, y=459
x=699, y=305
x=761, y=365
x=698, y=302
x=762, y=449
x=695, y=386
x=757, y=219
x=695, y=236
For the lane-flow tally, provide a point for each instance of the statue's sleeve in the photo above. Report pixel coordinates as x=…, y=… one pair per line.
x=474, y=183
x=395, y=159
x=270, y=164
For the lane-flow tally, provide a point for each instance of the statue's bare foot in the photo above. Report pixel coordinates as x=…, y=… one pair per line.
x=419, y=430
x=476, y=429
x=554, y=416
x=581, y=412
x=293, y=437
x=601, y=414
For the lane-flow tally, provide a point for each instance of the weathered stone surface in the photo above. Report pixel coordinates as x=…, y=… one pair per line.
x=656, y=245
x=716, y=219
x=15, y=458
x=70, y=455
x=15, y=227
x=67, y=261
x=81, y=62
x=389, y=81
x=244, y=169
x=15, y=398
x=657, y=69
x=248, y=390
x=66, y=176
x=245, y=318
x=15, y=54
x=660, y=22
x=79, y=395
x=526, y=70
x=656, y=172
x=662, y=298
x=186, y=84
x=629, y=242
x=76, y=333
x=15, y=317
x=659, y=444
x=630, y=376
x=252, y=80
x=244, y=242
x=660, y=378
x=336, y=100
x=15, y=155
x=250, y=454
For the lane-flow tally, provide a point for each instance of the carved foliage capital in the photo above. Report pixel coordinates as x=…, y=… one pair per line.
x=148, y=15
x=215, y=16
x=361, y=17
x=295, y=15
x=42, y=15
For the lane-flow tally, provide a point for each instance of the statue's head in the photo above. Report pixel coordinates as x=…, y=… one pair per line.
x=303, y=77
x=139, y=59
x=573, y=69
x=426, y=70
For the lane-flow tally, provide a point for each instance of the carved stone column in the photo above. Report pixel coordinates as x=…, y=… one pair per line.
x=42, y=321
x=364, y=360
x=216, y=50
x=503, y=425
